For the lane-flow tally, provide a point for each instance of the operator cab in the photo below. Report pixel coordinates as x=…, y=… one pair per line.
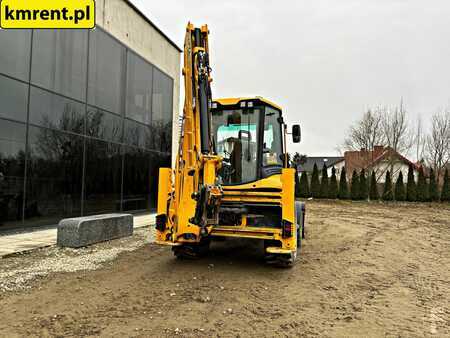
x=248, y=134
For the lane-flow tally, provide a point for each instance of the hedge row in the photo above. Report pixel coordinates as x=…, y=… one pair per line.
x=362, y=187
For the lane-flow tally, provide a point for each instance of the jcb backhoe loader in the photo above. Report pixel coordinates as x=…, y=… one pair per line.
x=231, y=177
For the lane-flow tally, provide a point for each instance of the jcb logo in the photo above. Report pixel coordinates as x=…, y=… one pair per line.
x=47, y=14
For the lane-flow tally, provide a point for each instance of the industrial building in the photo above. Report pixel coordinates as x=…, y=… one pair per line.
x=86, y=117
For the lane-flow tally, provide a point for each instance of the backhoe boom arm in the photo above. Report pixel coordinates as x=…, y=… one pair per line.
x=193, y=198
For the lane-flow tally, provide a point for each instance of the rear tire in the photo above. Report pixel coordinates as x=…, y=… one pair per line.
x=299, y=222
x=192, y=251
x=278, y=260
x=286, y=261
x=300, y=212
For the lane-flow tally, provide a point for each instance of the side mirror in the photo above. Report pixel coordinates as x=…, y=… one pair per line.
x=296, y=133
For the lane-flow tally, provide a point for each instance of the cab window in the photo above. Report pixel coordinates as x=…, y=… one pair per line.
x=272, y=144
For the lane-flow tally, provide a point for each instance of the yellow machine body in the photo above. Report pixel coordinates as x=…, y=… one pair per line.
x=195, y=203
x=283, y=196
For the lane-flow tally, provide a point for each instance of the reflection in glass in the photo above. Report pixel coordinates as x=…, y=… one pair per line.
x=159, y=136
x=13, y=99
x=167, y=137
x=139, y=89
x=106, y=72
x=54, y=175
x=162, y=96
x=59, y=61
x=103, y=177
x=137, y=134
x=12, y=166
x=56, y=112
x=104, y=125
x=156, y=136
x=15, y=52
x=140, y=178
x=58, y=121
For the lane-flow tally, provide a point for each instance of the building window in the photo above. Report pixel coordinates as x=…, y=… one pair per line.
x=139, y=89
x=12, y=168
x=95, y=111
x=54, y=175
x=106, y=72
x=139, y=179
x=59, y=61
x=137, y=134
x=56, y=112
x=103, y=125
x=162, y=97
x=103, y=177
x=13, y=99
x=15, y=53
x=159, y=136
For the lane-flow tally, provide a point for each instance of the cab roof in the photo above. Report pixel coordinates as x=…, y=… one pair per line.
x=232, y=101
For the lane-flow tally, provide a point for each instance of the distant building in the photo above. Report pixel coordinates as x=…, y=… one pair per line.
x=328, y=161
x=380, y=160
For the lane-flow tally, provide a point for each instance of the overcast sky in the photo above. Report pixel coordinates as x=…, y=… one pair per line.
x=323, y=61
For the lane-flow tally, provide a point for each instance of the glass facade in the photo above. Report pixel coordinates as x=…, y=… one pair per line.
x=85, y=124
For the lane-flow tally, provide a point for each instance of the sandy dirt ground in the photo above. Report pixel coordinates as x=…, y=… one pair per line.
x=366, y=270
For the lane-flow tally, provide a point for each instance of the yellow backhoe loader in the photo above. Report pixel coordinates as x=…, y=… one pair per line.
x=231, y=177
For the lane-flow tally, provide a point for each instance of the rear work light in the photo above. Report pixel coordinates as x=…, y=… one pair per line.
x=287, y=229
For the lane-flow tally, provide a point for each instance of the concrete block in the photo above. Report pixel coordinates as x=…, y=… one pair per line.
x=84, y=231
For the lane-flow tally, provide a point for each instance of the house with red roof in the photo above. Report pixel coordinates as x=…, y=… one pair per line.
x=380, y=160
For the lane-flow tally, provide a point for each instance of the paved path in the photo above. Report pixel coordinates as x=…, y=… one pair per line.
x=16, y=243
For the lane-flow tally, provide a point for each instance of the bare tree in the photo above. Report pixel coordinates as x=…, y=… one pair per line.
x=385, y=127
x=397, y=132
x=365, y=133
x=420, y=141
x=381, y=126
x=396, y=129
x=438, y=142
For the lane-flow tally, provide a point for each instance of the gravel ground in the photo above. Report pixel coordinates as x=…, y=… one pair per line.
x=20, y=270
x=366, y=270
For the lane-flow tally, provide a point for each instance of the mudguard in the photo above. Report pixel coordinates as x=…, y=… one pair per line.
x=300, y=212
